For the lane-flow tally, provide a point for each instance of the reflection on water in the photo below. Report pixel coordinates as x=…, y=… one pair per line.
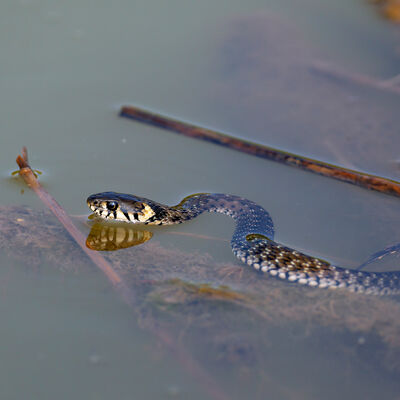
x=63, y=75
x=111, y=237
x=242, y=328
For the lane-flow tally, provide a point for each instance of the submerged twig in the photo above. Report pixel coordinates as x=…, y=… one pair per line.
x=180, y=353
x=29, y=177
x=197, y=236
x=361, y=179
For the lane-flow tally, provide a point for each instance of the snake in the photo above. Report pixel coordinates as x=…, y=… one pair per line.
x=252, y=240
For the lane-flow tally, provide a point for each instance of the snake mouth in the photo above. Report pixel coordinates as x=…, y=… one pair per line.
x=97, y=210
x=100, y=212
x=111, y=206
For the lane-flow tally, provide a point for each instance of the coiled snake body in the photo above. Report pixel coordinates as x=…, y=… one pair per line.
x=252, y=241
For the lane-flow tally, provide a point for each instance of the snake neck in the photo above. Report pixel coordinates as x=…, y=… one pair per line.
x=251, y=219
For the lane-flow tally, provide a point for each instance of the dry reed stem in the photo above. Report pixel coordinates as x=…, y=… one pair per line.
x=361, y=179
x=184, y=358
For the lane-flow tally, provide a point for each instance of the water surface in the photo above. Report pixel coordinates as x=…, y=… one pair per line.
x=240, y=68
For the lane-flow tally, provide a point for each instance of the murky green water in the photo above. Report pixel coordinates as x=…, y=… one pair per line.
x=242, y=68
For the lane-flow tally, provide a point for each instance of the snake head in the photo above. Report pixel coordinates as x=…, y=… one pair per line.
x=121, y=207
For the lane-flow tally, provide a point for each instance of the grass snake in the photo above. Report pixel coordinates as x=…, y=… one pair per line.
x=252, y=241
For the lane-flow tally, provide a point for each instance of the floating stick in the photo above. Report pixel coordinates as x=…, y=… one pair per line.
x=361, y=179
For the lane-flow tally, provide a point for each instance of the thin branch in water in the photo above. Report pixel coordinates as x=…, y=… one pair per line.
x=358, y=178
x=208, y=383
x=196, y=236
x=30, y=179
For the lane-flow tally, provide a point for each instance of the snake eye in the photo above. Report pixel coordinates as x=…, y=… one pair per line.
x=112, y=205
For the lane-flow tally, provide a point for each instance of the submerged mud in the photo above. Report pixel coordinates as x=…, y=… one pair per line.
x=227, y=314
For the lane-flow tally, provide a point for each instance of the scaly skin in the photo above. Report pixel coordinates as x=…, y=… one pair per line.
x=252, y=241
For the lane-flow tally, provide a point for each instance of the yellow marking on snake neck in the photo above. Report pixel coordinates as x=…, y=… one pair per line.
x=184, y=200
x=146, y=213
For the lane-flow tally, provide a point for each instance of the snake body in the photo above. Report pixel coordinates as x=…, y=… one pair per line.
x=252, y=241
